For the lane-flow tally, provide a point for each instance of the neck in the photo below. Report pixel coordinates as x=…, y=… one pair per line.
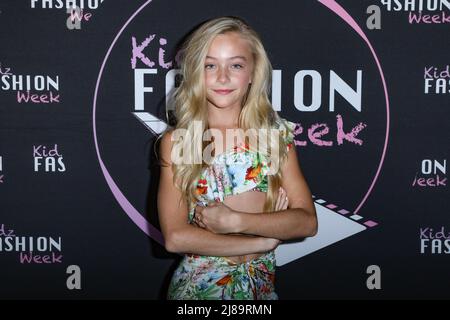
x=223, y=118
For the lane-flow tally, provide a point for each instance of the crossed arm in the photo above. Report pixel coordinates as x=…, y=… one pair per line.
x=218, y=220
x=297, y=221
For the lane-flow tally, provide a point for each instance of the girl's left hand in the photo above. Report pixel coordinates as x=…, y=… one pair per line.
x=282, y=200
x=216, y=217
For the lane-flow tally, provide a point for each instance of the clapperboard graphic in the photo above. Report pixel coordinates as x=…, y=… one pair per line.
x=152, y=123
x=335, y=223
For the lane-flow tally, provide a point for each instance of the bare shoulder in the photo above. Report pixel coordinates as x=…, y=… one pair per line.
x=165, y=147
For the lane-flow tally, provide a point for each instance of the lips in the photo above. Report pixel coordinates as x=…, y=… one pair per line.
x=224, y=92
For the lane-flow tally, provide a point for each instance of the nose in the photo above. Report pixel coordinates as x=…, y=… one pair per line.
x=222, y=76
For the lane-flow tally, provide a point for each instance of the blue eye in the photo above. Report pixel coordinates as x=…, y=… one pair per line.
x=209, y=66
x=237, y=66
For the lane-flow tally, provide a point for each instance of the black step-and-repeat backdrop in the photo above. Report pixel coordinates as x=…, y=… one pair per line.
x=83, y=93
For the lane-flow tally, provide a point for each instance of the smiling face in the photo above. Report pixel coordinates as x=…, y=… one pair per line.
x=228, y=70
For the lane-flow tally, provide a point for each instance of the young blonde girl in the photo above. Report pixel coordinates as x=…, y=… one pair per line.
x=228, y=214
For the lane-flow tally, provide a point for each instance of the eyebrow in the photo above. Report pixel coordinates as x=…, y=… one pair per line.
x=235, y=57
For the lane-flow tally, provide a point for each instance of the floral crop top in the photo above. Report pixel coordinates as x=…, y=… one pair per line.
x=237, y=170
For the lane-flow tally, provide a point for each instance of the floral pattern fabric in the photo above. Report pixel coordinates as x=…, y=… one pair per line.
x=217, y=278
x=207, y=277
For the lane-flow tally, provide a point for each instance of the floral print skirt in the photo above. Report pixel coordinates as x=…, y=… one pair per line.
x=218, y=278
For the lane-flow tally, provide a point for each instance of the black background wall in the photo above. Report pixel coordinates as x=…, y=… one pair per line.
x=53, y=186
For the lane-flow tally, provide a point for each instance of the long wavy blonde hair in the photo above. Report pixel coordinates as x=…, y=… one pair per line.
x=191, y=103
